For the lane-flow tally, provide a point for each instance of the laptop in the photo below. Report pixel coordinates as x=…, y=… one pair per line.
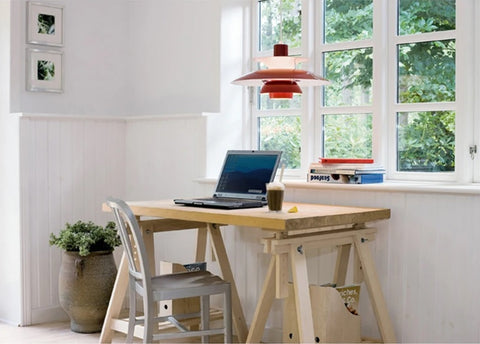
x=242, y=182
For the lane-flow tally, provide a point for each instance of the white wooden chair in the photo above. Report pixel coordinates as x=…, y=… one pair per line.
x=166, y=287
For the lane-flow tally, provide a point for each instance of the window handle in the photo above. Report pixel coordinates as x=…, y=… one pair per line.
x=472, y=150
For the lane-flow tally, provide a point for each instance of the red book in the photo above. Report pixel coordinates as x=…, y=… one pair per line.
x=345, y=161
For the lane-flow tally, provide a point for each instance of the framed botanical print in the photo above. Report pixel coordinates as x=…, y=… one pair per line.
x=44, y=70
x=44, y=24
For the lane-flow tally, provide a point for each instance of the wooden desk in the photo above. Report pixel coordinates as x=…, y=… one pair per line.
x=312, y=226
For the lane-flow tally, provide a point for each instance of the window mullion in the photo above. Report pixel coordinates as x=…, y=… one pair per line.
x=366, y=43
x=392, y=81
x=329, y=110
x=277, y=112
x=380, y=82
x=476, y=90
x=465, y=65
x=411, y=107
x=425, y=37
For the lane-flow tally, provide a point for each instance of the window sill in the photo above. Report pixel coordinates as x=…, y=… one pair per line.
x=387, y=186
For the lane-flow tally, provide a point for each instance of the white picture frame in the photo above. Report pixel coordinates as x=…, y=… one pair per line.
x=44, y=70
x=44, y=24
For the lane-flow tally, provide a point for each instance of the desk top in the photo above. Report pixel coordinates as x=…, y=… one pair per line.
x=308, y=215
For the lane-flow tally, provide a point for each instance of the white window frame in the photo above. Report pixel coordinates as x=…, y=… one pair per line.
x=321, y=110
x=393, y=40
x=384, y=106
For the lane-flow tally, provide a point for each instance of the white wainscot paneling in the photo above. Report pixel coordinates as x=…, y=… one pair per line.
x=68, y=167
x=426, y=257
x=70, y=164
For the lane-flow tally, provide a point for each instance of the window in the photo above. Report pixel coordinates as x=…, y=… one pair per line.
x=425, y=86
x=277, y=124
x=346, y=47
x=394, y=93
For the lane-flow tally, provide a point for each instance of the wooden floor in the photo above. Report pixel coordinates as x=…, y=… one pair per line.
x=49, y=333
x=45, y=333
x=60, y=333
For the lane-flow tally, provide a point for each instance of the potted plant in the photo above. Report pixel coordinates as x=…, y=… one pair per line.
x=87, y=272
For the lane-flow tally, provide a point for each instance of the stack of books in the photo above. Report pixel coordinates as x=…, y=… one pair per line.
x=347, y=171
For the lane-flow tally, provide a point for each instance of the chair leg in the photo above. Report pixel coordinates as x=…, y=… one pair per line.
x=149, y=320
x=132, y=312
x=205, y=315
x=227, y=315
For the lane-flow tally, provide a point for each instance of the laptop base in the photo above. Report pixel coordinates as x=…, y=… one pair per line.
x=219, y=204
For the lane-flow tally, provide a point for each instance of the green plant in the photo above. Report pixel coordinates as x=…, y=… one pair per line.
x=86, y=237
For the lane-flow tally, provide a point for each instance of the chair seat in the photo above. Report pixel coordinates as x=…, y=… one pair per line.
x=186, y=284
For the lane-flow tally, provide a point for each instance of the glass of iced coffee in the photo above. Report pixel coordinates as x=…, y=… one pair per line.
x=275, y=191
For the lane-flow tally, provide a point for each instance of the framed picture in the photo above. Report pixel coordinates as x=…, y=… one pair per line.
x=44, y=70
x=44, y=24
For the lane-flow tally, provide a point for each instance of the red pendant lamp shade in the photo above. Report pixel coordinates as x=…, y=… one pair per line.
x=281, y=79
x=281, y=89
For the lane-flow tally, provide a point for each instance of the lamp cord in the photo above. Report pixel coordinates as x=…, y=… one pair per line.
x=280, y=10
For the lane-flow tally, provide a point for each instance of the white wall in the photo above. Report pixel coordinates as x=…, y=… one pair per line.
x=164, y=155
x=96, y=60
x=127, y=58
x=174, y=66
x=229, y=129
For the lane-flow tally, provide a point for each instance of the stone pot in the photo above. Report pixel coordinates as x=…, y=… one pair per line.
x=85, y=285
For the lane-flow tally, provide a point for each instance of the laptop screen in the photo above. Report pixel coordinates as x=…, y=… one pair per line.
x=245, y=173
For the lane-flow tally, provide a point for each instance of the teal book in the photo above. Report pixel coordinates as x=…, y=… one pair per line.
x=369, y=178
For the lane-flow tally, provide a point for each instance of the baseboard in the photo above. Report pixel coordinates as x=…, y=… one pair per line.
x=48, y=314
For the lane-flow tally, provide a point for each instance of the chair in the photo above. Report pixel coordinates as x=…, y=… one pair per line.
x=166, y=287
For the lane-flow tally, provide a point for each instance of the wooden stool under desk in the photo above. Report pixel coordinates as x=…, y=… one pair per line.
x=290, y=250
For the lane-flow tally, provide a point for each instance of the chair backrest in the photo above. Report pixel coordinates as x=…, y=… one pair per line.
x=132, y=241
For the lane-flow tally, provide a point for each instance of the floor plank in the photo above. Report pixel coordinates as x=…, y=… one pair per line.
x=60, y=333
x=48, y=333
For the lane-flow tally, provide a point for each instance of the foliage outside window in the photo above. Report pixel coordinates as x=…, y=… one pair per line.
x=350, y=74
x=347, y=135
x=280, y=21
x=284, y=133
x=426, y=74
x=350, y=71
x=356, y=14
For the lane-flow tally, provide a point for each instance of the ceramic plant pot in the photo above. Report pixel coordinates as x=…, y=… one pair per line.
x=85, y=286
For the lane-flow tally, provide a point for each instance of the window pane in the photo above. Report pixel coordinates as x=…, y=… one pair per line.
x=426, y=141
x=280, y=21
x=347, y=136
x=426, y=72
x=425, y=16
x=281, y=133
x=350, y=75
x=348, y=20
